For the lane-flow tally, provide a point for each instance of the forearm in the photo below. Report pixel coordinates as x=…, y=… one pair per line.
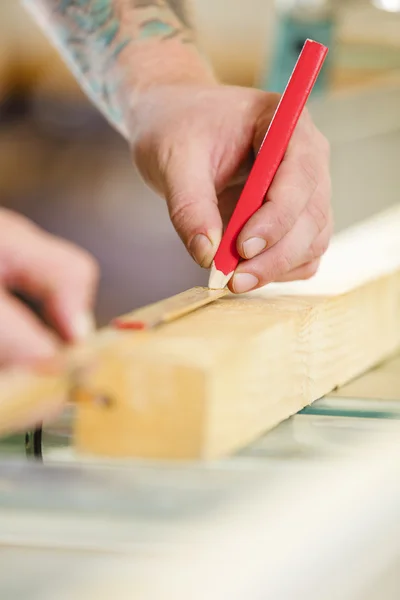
x=117, y=49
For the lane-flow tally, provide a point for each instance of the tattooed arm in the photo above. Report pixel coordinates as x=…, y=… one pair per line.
x=117, y=48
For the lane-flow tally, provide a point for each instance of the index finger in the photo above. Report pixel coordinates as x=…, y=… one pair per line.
x=304, y=168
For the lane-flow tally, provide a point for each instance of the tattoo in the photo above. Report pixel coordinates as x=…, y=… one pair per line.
x=178, y=7
x=159, y=23
x=92, y=35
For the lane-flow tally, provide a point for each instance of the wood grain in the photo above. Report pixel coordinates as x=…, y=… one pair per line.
x=168, y=310
x=27, y=399
x=209, y=383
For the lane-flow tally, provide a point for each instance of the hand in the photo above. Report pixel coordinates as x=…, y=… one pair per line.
x=195, y=145
x=52, y=272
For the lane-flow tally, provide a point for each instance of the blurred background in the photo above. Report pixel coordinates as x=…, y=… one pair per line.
x=65, y=168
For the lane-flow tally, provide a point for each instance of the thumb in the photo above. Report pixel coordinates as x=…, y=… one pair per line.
x=193, y=208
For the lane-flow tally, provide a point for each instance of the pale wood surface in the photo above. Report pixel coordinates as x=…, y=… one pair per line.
x=26, y=400
x=170, y=309
x=211, y=382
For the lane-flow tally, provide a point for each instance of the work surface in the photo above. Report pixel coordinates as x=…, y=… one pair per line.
x=315, y=497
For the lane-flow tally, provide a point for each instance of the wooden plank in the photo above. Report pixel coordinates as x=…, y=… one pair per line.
x=209, y=383
x=25, y=399
x=213, y=381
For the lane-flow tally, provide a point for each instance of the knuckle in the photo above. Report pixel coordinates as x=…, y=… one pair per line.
x=325, y=244
x=325, y=144
x=89, y=267
x=19, y=238
x=78, y=261
x=306, y=129
x=315, y=250
x=7, y=216
x=310, y=269
x=308, y=164
x=319, y=213
x=140, y=152
x=306, y=120
x=92, y=267
x=180, y=209
x=283, y=264
x=319, y=246
x=285, y=219
x=12, y=222
x=152, y=155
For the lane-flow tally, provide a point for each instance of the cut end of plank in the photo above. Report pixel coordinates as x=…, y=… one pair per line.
x=29, y=398
x=218, y=280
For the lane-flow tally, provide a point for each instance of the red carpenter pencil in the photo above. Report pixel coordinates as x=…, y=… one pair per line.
x=268, y=159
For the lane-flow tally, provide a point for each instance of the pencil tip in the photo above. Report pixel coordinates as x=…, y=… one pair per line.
x=218, y=280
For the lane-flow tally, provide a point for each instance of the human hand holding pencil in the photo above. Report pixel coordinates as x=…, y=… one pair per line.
x=196, y=147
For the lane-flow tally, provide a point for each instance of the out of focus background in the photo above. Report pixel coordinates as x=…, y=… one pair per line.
x=65, y=168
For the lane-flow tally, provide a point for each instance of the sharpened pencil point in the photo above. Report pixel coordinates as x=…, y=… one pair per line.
x=218, y=280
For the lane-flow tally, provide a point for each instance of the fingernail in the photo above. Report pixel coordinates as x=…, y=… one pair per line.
x=202, y=250
x=253, y=246
x=244, y=282
x=82, y=326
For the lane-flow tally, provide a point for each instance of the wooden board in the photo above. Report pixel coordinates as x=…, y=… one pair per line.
x=209, y=383
x=214, y=380
x=25, y=399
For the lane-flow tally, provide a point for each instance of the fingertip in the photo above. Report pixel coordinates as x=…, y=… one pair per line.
x=82, y=326
x=203, y=247
x=201, y=250
x=76, y=326
x=251, y=247
x=242, y=283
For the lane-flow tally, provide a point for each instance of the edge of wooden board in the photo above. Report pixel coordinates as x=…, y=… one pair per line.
x=175, y=396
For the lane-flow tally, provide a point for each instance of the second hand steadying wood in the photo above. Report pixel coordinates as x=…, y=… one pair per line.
x=268, y=158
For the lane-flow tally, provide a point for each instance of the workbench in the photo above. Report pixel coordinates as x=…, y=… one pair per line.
x=309, y=510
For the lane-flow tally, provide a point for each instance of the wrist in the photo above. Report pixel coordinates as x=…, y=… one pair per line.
x=152, y=63
x=151, y=70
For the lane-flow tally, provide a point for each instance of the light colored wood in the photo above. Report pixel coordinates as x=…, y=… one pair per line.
x=25, y=399
x=213, y=381
x=391, y=366
x=170, y=309
x=209, y=383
